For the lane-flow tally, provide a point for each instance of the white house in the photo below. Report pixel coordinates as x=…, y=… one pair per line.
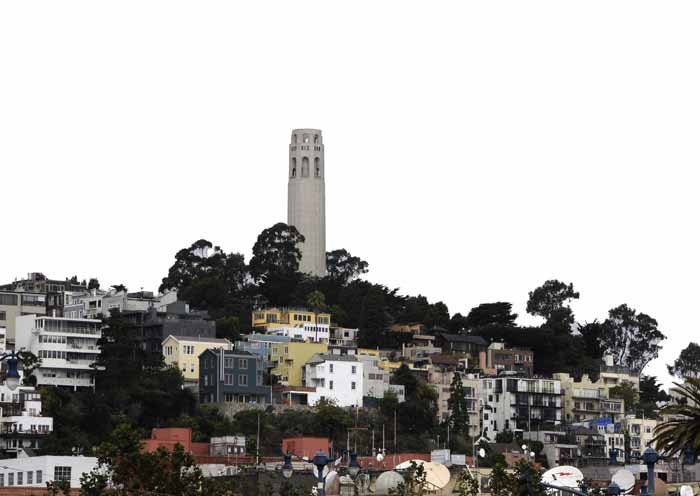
x=21, y=422
x=315, y=333
x=36, y=471
x=67, y=348
x=336, y=377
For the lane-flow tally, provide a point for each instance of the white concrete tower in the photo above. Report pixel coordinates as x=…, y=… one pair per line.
x=306, y=198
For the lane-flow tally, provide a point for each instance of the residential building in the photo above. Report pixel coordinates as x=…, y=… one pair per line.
x=37, y=471
x=560, y=447
x=290, y=359
x=153, y=326
x=641, y=433
x=412, y=328
x=586, y=399
x=22, y=426
x=124, y=301
x=593, y=446
x=268, y=319
x=183, y=353
x=520, y=403
x=306, y=198
x=501, y=359
x=84, y=304
x=54, y=290
x=227, y=445
x=614, y=375
x=375, y=380
x=465, y=344
x=231, y=376
x=306, y=332
x=261, y=344
x=169, y=437
x=440, y=379
x=3, y=339
x=342, y=336
x=336, y=377
x=14, y=304
x=419, y=349
x=67, y=348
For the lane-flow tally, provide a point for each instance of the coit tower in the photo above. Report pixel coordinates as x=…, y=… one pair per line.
x=306, y=198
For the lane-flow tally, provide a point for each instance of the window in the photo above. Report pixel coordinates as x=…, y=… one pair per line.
x=228, y=379
x=39, y=476
x=317, y=167
x=242, y=380
x=2, y=479
x=242, y=363
x=352, y=385
x=20, y=478
x=10, y=479
x=354, y=369
x=330, y=368
x=192, y=368
x=61, y=473
x=228, y=363
x=330, y=385
x=3, y=316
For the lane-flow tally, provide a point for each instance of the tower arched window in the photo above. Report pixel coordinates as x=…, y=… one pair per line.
x=294, y=167
x=295, y=139
x=317, y=166
x=305, y=167
x=315, y=138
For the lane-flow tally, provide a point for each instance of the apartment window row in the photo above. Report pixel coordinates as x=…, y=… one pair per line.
x=48, y=338
x=188, y=349
x=53, y=354
x=302, y=318
x=17, y=478
x=32, y=428
x=242, y=380
x=229, y=363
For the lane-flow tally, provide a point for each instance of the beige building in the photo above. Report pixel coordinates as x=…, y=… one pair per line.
x=586, y=399
x=613, y=375
x=441, y=379
x=14, y=304
x=183, y=353
x=269, y=319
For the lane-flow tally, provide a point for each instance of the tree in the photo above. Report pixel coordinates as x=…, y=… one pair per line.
x=688, y=362
x=275, y=262
x=467, y=485
x=631, y=338
x=457, y=403
x=682, y=430
x=650, y=395
x=501, y=483
x=626, y=391
x=551, y=302
x=341, y=266
x=498, y=313
x=119, y=288
x=592, y=334
x=93, y=283
x=415, y=483
x=526, y=480
x=229, y=328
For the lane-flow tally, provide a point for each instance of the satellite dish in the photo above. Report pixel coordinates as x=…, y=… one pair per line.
x=435, y=473
x=625, y=479
x=380, y=457
x=686, y=491
x=564, y=476
x=482, y=453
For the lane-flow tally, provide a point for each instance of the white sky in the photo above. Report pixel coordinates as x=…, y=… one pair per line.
x=473, y=149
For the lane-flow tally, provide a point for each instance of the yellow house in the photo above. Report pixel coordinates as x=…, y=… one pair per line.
x=183, y=352
x=290, y=359
x=271, y=318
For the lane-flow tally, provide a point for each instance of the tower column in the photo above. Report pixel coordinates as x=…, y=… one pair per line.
x=306, y=198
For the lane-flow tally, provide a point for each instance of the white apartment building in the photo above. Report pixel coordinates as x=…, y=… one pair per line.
x=342, y=336
x=67, y=348
x=338, y=378
x=36, y=471
x=313, y=333
x=519, y=404
x=21, y=422
x=3, y=339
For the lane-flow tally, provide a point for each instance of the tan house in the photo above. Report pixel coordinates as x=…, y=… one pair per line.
x=183, y=352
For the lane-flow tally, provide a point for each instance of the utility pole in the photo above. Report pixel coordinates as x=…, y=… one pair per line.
x=396, y=441
x=257, y=443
